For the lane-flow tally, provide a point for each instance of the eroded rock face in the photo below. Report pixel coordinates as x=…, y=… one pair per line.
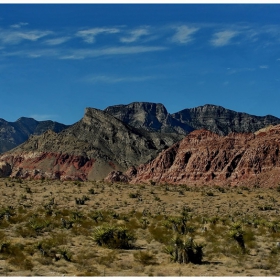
x=205, y=158
x=148, y=116
x=88, y=150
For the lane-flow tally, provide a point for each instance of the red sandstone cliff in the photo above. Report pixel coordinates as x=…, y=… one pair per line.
x=205, y=158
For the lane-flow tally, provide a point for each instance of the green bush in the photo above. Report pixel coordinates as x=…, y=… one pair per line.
x=115, y=237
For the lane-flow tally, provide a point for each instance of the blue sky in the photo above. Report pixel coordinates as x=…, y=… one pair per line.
x=58, y=59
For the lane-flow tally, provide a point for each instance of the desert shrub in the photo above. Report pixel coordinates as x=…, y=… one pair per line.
x=237, y=233
x=160, y=233
x=208, y=193
x=134, y=195
x=115, y=237
x=91, y=191
x=144, y=222
x=265, y=207
x=145, y=257
x=96, y=216
x=65, y=253
x=107, y=259
x=185, y=250
x=39, y=225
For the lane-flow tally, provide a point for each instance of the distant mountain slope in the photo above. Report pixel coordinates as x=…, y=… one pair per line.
x=89, y=149
x=13, y=134
x=154, y=117
x=223, y=121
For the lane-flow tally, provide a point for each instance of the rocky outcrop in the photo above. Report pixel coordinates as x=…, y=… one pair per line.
x=205, y=158
x=15, y=133
x=88, y=150
x=154, y=117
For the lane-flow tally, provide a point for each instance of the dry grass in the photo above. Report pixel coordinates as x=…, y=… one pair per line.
x=47, y=229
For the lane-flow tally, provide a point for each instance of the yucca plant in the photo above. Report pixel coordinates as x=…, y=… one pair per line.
x=185, y=250
x=115, y=237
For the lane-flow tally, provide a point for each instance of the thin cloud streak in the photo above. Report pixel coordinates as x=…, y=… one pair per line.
x=16, y=37
x=19, y=25
x=223, y=38
x=57, y=41
x=90, y=34
x=184, y=34
x=85, y=53
x=113, y=80
x=135, y=35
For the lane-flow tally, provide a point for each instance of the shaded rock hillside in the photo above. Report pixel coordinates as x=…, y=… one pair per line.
x=205, y=158
x=223, y=121
x=15, y=133
x=148, y=116
x=154, y=117
x=89, y=149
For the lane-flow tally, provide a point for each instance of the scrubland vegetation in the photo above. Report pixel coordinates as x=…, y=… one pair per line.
x=53, y=228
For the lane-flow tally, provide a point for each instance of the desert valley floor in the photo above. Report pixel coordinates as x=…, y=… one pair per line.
x=49, y=228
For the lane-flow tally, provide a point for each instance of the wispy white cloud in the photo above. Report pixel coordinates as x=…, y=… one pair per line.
x=184, y=34
x=86, y=53
x=263, y=66
x=223, y=38
x=57, y=41
x=33, y=53
x=238, y=70
x=42, y=117
x=19, y=25
x=114, y=79
x=15, y=37
x=90, y=34
x=135, y=35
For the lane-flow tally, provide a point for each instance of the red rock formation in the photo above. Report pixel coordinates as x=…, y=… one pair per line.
x=205, y=158
x=49, y=165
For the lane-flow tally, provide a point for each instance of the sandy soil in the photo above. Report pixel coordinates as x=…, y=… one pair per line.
x=36, y=242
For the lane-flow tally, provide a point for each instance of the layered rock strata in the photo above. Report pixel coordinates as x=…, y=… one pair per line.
x=205, y=158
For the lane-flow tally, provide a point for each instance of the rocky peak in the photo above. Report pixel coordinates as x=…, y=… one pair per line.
x=148, y=116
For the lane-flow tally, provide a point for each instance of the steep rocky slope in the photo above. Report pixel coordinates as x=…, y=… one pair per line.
x=205, y=158
x=89, y=149
x=15, y=133
x=154, y=117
